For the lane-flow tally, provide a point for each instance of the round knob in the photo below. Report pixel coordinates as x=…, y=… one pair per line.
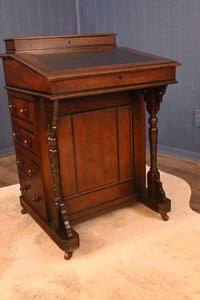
x=19, y=163
x=16, y=135
x=24, y=111
x=35, y=199
x=31, y=172
x=23, y=187
x=13, y=107
x=28, y=142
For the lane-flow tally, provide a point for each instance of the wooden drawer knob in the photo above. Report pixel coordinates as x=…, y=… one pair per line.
x=24, y=111
x=28, y=142
x=35, y=199
x=13, y=107
x=23, y=187
x=16, y=135
x=31, y=172
x=19, y=163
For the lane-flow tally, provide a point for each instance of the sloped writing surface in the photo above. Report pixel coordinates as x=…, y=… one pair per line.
x=74, y=60
x=82, y=62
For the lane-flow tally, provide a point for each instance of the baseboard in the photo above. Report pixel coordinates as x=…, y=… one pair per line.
x=7, y=151
x=178, y=152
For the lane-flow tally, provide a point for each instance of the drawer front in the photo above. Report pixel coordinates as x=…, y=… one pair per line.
x=28, y=168
x=31, y=183
x=127, y=80
x=33, y=195
x=22, y=108
x=25, y=138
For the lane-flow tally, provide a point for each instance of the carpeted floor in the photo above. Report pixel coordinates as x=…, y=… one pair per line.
x=127, y=254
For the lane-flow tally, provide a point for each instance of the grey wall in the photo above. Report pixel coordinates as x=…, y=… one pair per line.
x=169, y=28
x=29, y=18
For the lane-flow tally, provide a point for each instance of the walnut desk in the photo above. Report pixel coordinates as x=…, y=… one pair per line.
x=77, y=107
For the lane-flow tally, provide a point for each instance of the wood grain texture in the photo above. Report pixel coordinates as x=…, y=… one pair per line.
x=139, y=144
x=27, y=44
x=65, y=144
x=125, y=142
x=11, y=74
x=88, y=103
x=95, y=198
x=96, y=148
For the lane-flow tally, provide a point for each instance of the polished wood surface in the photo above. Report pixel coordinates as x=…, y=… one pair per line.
x=153, y=98
x=136, y=71
x=68, y=42
x=78, y=118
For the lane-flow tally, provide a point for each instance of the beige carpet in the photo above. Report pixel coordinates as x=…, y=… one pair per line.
x=127, y=254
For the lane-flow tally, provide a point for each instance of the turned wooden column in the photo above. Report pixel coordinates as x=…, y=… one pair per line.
x=55, y=170
x=156, y=195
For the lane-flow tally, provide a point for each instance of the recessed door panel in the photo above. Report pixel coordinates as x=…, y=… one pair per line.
x=95, y=140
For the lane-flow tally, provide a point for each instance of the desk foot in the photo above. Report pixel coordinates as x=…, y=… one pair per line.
x=159, y=205
x=165, y=217
x=68, y=255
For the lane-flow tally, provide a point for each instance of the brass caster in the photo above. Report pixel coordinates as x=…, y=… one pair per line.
x=68, y=255
x=165, y=217
x=23, y=211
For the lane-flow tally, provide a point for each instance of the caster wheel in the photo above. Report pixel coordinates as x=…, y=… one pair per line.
x=68, y=255
x=165, y=217
x=23, y=211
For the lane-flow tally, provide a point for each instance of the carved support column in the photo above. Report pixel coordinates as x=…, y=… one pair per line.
x=54, y=163
x=158, y=201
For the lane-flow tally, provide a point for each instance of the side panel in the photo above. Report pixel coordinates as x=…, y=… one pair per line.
x=20, y=76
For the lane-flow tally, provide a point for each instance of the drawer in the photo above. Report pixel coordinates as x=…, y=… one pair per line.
x=28, y=168
x=23, y=123
x=30, y=155
x=25, y=137
x=33, y=194
x=22, y=108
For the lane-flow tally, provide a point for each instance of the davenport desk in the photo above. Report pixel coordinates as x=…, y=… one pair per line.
x=77, y=107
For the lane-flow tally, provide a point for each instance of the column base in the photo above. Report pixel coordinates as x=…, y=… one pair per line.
x=158, y=205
